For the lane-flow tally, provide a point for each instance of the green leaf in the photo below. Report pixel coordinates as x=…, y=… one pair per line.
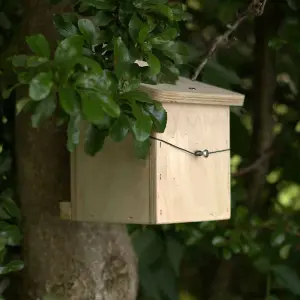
x=64, y=26
x=143, y=34
x=69, y=49
x=154, y=64
x=40, y=86
x=35, y=61
x=285, y=251
x=94, y=140
x=148, y=284
x=11, y=233
x=158, y=115
x=10, y=206
x=101, y=4
x=170, y=71
x=91, y=106
x=39, y=45
x=73, y=132
x=218, y=241
x=227, y=254
x=19, y=60
x=288, y=277
x=175, y=253
x=163, y=10
x=119, y=129
x=21, y=104
x=25, y=77
x=4, y=216
x=88, y=30
x=68, y=100
x=134, y=27
x=91, y=81
x=122, y=58
x=94, y=103
x=138, y=96
x=277, y=239
x=142, y=148
x=89, y=64
x=148, y=247
x=179, y=14
x=176, y=51
x=12, y=266
x=7, y=92
x=167, y=282
x=102, y=82
x=142, y=126
x=102, y=18
x=43, y=110
x=169, y=34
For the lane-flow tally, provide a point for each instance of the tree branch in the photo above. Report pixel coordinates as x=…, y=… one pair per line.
x=256, y=8
x=255, y=165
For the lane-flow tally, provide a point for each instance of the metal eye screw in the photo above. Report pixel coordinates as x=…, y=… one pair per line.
x=198, y=153
x=205, y=153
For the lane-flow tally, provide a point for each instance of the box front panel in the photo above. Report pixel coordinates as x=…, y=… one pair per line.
x=190, y=188
x=112, y=186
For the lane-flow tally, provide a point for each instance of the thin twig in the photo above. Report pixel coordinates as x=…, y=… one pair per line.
x=254, y=165
x=256, y=8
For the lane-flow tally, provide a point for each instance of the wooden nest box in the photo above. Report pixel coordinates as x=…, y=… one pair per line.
x=172, y=185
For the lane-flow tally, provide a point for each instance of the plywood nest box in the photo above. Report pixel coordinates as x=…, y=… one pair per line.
x=171, y=186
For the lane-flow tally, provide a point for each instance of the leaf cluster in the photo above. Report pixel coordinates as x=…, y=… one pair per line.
x=10, y=215
x=96, y=74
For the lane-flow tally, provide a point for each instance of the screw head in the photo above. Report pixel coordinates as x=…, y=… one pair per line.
x=205, y=153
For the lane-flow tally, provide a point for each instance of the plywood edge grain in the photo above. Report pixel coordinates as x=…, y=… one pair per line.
x=74, y=183
x=221, y=217
x=194, y=92
x=152, y=183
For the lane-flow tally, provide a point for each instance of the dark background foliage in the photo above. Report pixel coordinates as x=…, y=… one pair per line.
x=255, y=254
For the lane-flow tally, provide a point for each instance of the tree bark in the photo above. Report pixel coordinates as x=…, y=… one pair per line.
x=264, y=87
x=79, y=261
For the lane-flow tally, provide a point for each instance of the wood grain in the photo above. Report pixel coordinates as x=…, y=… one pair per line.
x=189, y=188
x=188, y=91
x=171, y=186
x=112, y=186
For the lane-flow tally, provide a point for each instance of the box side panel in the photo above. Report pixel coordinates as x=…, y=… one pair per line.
x=112, y=186
x=190, y=188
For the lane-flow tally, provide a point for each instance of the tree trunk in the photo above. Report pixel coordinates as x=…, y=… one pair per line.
x=264, y=87
x=79, y=261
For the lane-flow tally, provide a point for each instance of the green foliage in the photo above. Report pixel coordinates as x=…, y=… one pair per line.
x=160, y=257
x=9, y=17
x=255, y=254
x=10, y=215
x=95, y=72
x=92, y=76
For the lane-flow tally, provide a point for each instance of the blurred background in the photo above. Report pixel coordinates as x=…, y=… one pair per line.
x=256, y=254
